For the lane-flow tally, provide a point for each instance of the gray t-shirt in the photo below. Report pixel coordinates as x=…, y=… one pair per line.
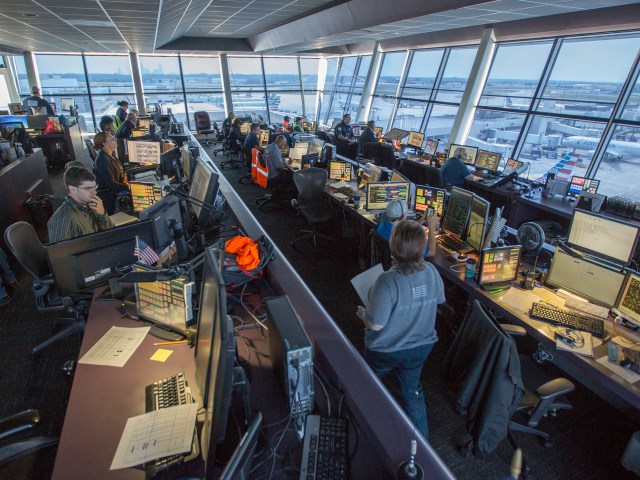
x=405, y=307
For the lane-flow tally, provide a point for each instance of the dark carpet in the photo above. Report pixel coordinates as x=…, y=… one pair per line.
x=588, y=440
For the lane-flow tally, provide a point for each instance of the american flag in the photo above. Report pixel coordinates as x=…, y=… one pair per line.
x=145, y=253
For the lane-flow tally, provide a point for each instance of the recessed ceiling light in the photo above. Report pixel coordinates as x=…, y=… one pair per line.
x=90, y=23
x=29, y=15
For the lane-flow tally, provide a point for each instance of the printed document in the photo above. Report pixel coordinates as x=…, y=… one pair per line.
x=115, y=347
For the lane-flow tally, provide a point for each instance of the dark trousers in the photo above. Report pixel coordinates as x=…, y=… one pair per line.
x=407, y=365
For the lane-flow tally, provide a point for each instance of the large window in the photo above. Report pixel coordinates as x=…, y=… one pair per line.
x=496, y=131
x=456, y=74
x=390, y=73
x=284, y=95
x=440, y=122
x=421, y=76
x=247, y=88
x=18, y=66
x=203, y=86
x=619, y=169
x=162, y=84
x=309, y=68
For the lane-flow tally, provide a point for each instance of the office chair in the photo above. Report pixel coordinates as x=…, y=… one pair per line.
x=484, y=368
x=25, y=245
x=251, y=161
x=92, y=151
x=31, y=458
x=226, y=145
x=379, y=250
x=236, y=156
x=310, y=183
x=203, y=126
x=275, y=196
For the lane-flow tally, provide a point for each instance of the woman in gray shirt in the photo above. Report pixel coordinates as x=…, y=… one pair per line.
x=400, y=321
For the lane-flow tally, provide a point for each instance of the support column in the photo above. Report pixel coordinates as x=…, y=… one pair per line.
x=226, y=85
x=475, y=84
x=32, y=69
x=369, y=84
x=137, y=83
x=10, y=77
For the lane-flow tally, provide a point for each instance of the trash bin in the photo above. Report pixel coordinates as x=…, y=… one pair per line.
x=40, y=208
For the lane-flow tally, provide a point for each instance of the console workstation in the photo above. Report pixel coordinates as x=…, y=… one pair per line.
x=237, y=352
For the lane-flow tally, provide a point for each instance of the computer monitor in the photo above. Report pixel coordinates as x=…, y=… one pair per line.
x=67, y=104
x=589, y=279
x=557, y=187
x=370, y=173
x=416, y=139
x=37, y=122
x=427, y=196
x=356, y=130
x=187, y=163
x=396, y=135
x=166, y=217
x=308, y=160
x=431, y=147
x=144, y=194
x=87, y=262
x=298, y=150
x=478, y=222
x=628, y=301
x=498, y=266
x=328, y=153
x=315, y=146
x=511, y=166
x=463, y=153
x=169, y=163
x=144, y=152
x=488, y=161
x=217, y=341
x=264, y=138
x=239, y=465
x=379, y=194
x=457, y=214
x=145, y=123
x=204, y=188
x=578, y=184
x=15, y=108
x=6, y=125
x=605, y=237
x=339, y=171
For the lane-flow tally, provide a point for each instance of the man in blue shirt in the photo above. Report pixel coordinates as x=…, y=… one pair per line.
x=345, y=144
x=37, y=102
x=367, y=136
x=454, y=172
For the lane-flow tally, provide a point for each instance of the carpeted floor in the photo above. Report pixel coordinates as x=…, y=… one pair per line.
x=588, y=441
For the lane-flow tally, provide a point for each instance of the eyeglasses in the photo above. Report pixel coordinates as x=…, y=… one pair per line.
x=92, y=187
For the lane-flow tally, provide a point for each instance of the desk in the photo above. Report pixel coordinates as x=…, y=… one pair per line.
x=385, y=431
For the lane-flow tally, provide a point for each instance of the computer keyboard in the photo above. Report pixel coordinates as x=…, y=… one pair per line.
x=577, y=321
x=452, y=244
x=325, y=453
x=165, y=393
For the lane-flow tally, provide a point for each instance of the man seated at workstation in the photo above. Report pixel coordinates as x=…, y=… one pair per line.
x=396, y=211
x=297, y=125
x=82, y=212
x=235, y=135
x=454, y=172
x=345, y=143
x=227, y=123
x=37, y=102
x=279, y=173
x=126, y=128
x=367, y=136
x=252, y=140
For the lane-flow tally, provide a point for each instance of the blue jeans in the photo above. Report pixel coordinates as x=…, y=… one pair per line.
x=7, y=274
x=408, y=367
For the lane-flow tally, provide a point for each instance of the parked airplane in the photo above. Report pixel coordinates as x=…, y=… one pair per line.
x=616, y=148
x=510, y=104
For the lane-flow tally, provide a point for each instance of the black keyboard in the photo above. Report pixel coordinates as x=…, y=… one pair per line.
x=453, y=244
x=325, y=454
x=165, y=393
x=577, y=321
x=169, y=392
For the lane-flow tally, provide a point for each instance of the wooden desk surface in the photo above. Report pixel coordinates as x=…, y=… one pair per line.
x=103, y=398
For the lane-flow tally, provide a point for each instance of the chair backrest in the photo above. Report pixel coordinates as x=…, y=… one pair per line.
x=25, y=245
x=92, y=151
x=310, y=183
x=202, y=121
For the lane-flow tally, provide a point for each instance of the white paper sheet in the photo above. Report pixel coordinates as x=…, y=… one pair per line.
x=585, y=350
x=364, y=281
x=519, y=299
x=156, y=434
x=629, y=375
x=115, y=347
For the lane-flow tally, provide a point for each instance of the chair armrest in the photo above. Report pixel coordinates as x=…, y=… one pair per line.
x=553, y=388
x=19, y=422
x=513, y=330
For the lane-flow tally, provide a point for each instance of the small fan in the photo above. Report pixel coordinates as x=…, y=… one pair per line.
x=531, y=236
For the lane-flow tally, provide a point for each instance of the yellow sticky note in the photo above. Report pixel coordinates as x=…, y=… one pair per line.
x=161, y=355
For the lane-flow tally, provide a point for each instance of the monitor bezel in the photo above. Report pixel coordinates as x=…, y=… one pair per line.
x=408, y=184
x=413, y=132
x=494, y=249
x=452, y=149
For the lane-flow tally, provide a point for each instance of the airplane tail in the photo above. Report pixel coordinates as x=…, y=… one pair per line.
x=562, y=169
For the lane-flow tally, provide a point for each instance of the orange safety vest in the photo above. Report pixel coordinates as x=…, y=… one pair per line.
x=262, y=173
x=246, y=250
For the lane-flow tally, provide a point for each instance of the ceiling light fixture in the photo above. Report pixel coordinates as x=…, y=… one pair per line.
x=30, y=15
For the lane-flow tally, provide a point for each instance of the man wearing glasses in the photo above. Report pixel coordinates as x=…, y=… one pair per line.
x=82, y=212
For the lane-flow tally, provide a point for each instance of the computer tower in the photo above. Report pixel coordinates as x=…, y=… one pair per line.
x=291, y=354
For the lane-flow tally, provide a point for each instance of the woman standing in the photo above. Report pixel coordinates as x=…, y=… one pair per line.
x=121, y=112
x=400, y=321
x=110, y=177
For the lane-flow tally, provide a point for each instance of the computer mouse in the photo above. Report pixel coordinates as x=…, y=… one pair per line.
x=626, y=363
x=461, y=257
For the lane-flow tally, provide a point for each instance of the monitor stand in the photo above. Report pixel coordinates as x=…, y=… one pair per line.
x=156, y=330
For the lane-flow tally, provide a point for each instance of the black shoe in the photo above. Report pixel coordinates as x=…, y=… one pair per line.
x=5, y=301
